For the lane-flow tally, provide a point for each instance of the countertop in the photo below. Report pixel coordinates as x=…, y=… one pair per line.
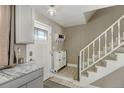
x=19, y=70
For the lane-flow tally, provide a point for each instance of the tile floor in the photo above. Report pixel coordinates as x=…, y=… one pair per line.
x=51, y=84
x=71, y=84
x=65, y=77
x=68, y=72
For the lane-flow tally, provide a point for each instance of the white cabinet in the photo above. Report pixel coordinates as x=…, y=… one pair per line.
x=59, y=59
x=24, y=24
x=37, y=83
x=31, y=80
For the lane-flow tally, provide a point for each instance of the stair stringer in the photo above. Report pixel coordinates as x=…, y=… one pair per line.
x=103, y=71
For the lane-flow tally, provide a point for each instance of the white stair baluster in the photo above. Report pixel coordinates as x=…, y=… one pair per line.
x=112, y=38
x=81, y=61
x=80, y=66
x=84, y=59
x=93, y=52
x=99, y=47
x=119, y=32
x=105, y=42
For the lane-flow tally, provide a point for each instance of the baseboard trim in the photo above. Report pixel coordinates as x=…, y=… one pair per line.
x=72, y=65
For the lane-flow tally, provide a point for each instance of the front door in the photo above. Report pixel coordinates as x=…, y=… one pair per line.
x=40, y=51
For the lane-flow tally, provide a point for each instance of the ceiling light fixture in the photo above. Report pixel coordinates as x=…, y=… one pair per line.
x=51, y=11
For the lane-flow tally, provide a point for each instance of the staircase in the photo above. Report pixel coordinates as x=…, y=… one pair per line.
x=103, y=55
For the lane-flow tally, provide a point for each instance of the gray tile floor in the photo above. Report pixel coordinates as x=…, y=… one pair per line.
x=51, y=84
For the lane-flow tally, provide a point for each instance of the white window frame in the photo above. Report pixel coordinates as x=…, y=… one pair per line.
x=44, y=32
x=44, y=27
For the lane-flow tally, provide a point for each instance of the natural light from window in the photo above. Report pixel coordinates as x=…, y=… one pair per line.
x=40, y=34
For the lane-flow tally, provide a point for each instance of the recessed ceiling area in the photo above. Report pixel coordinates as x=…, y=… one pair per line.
x=70, y=15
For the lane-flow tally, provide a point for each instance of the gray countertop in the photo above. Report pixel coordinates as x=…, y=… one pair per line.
x=19, y=70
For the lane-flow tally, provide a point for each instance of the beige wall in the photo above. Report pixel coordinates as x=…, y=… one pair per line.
x=78, y=37
x=55, y=29
x=4, y=34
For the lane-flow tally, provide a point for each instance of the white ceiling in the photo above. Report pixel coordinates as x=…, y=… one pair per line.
x=70, y=15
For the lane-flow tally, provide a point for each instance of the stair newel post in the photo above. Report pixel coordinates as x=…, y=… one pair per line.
x=99, y=47
x=105, y=42
x=79, y=67
x=112, y=37
x=119, y=32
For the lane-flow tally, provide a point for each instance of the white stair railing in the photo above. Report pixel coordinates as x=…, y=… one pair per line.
x=100, y=47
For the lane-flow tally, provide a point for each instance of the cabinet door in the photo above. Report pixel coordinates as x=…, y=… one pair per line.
x=60, y=63
x=37, y=83
x=24, y=24
x=64, y=58
x=56, y=61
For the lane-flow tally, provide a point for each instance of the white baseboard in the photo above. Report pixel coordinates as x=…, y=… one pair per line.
x=71, y=65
